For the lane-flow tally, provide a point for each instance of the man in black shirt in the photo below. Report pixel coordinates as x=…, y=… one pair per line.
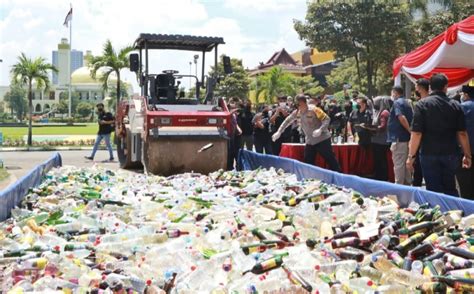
x=261, y=132
x=438, y=126
x=359, y=118
x=245, y=119
x=106, y=126
x=422, y=90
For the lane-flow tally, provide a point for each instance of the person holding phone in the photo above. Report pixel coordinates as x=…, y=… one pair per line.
x=280, y=114
x=261, y=132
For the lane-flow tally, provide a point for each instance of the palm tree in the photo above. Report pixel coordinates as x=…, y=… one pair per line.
x=112, y=63
x=24, y=73
x=273, y=83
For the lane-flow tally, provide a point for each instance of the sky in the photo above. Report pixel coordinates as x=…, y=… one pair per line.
x=252, y=29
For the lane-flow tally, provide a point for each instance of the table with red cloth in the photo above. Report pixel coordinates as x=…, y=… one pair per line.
x=352, y=158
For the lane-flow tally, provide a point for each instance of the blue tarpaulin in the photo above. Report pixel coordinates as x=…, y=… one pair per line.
x=12, y=195
x=250, y=160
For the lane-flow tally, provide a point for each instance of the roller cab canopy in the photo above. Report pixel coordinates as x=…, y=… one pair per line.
x=177, y=42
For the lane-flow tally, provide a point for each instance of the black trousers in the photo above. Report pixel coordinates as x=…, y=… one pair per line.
x=233, y=151
x=263, y=143
x=380, y=161
x=325, y=149
x=465, y=179
x=417, y=173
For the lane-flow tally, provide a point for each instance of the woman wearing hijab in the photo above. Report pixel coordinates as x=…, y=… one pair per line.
x=380, y=146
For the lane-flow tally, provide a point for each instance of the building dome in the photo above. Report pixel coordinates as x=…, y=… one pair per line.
x=82, y=75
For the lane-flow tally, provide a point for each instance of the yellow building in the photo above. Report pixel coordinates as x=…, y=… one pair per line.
x=315, y=63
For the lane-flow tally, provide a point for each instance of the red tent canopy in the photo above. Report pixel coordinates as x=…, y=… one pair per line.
x=451, y=53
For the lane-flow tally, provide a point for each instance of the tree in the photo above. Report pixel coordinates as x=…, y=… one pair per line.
x=24, y=73
x=306, y=84
x=84, y=109
x=273, y=83
x=191, y=93
x=236, y=84
x=112, y=62
x=431, y=25
x=276, y=83
x=112, y=103
x=16, y=100
x=365, y=30
x=63, y=106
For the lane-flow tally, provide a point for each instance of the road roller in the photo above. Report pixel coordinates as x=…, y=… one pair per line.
x=163, y=131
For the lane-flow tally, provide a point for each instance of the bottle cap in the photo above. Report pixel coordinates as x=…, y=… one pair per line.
x=41, y=263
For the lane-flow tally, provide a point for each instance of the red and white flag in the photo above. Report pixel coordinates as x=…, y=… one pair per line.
x=68, y=18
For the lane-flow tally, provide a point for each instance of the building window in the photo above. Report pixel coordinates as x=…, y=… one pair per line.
x=46, y=107
x=52, y=95
x=33, y=96
x=80, y=95
x=88, y=95
x=38, y=108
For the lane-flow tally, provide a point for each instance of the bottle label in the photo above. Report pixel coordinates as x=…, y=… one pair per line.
x=316, y=198
x=269, y=264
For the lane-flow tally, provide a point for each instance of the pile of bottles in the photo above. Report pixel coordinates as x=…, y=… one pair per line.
x=262, y=231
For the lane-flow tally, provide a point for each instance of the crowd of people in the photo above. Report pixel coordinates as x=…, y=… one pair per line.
x=430, y=137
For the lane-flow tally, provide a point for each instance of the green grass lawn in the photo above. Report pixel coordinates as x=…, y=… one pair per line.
x=18, y=133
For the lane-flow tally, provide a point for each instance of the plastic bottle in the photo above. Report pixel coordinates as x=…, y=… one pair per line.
x=417, y=267
x=371, y=273
x=406, y=278
x=328, y=268
x=35, y=263
x=326, y=229
x=361, y=285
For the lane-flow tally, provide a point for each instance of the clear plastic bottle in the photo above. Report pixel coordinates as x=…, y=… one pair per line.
x=325, y=230
x=361, y=285
x=417, y=267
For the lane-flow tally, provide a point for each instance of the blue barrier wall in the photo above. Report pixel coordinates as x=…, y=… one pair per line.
x=250, y=160
x=13, y=194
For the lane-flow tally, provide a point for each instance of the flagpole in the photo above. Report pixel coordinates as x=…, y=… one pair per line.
x=69, y=66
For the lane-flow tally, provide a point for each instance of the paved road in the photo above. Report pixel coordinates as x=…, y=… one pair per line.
x=20, y=163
